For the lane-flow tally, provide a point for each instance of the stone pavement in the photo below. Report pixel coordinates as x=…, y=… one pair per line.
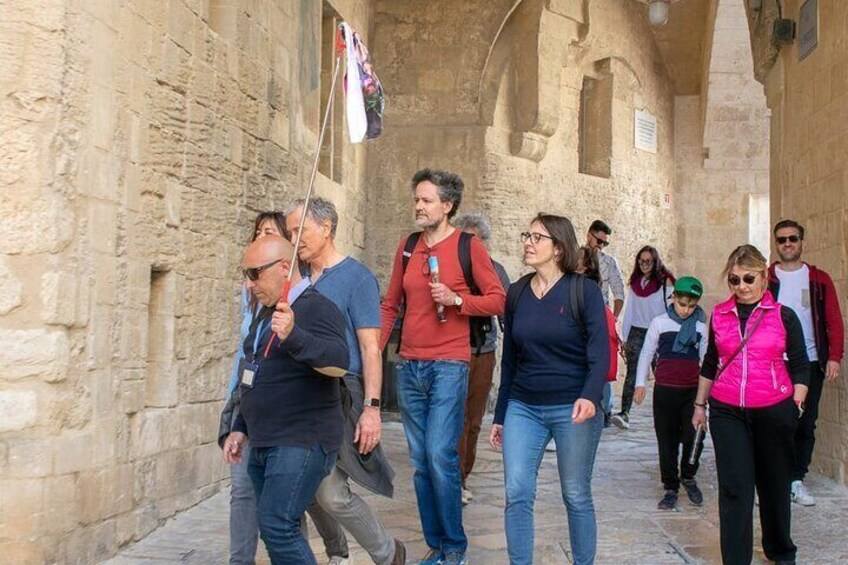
x=626, y=490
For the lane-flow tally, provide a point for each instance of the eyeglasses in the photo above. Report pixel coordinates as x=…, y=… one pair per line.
x=646, y=261
x=601, y=242
x=252, y=273
x=784, y=239
x=534, y=237
x=749, y=279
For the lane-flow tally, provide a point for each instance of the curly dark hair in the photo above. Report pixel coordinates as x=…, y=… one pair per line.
x=450, y=186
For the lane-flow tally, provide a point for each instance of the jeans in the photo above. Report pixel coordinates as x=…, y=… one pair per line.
x=608, y=399
x=479, y=384
x=432, y=400
x=805, y=436
x=673, y=409
x=244, y=526
x=344, y=507
x=754, y=447
x=635, y=342
x=527, y=429
x=285, y=480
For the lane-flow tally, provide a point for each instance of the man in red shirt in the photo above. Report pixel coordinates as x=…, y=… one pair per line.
x=433, y=371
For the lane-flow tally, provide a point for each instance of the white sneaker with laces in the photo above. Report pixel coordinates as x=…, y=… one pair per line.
x=801, y=495
x=467, y=496
x=336, y=560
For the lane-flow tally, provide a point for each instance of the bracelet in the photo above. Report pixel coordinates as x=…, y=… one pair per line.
x=701, y=405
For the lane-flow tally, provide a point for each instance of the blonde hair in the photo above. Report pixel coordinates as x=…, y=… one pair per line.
x=748, y=257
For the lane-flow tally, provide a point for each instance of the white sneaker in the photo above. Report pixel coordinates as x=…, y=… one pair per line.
x=801, y=495
x=339, y=561
x=467, y=496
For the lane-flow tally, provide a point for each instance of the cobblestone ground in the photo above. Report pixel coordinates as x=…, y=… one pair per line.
x=626, y=490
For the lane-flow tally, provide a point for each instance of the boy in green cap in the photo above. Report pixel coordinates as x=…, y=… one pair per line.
x=675, y=344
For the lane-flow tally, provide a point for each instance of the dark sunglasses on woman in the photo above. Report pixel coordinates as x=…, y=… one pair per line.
x=734, y=280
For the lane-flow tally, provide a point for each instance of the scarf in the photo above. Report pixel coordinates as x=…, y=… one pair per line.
x=688, y=335
x=653, y=285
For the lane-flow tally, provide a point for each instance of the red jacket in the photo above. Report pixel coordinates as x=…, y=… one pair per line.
x=827, y=318
x=423, y=337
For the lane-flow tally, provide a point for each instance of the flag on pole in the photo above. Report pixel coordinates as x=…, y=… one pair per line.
x=364, y=98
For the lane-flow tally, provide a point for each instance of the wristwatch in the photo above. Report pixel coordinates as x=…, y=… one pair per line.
x=371, y=402
x=457, y=300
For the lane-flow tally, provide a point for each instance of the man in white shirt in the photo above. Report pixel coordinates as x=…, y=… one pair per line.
x=810, y=292
x=597, y=238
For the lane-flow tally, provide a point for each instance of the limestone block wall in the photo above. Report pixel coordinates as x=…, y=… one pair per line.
x=138, y=140
x=809, y=182
x=514, y=137
x=721, y=156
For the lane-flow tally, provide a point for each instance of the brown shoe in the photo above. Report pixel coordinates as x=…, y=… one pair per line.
x=400, y=553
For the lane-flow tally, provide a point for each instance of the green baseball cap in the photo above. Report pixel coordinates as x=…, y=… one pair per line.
x=690, y=286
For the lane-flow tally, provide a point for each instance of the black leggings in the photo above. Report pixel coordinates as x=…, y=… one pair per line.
x=754, y=447
x=673, y=408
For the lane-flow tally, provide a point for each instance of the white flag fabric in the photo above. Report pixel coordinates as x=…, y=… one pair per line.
x=364, y=99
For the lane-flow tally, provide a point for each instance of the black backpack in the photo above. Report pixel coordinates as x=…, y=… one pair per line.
x=479, y=325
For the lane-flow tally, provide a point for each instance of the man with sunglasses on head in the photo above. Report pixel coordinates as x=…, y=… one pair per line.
x=287, y=400
x=810, y=292
x=597, y=238
x=432, y=374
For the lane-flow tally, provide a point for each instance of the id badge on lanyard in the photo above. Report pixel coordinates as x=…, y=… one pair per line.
x=249, y=367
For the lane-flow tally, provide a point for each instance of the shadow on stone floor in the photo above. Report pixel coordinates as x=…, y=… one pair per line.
x=626, y=489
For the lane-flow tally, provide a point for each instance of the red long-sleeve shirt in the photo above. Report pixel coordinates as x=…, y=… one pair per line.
x=423, y=337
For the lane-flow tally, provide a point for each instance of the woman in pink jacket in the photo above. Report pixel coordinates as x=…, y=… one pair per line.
x=755, y=376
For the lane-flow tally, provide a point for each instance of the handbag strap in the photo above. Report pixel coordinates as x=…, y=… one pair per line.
x=741, y=346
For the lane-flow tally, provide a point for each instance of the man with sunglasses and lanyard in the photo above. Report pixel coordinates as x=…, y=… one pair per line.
x=810, y=292
x=287, y=400
x=597, y=238
x=435, y=352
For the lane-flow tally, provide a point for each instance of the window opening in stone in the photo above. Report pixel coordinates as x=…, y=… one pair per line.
x=594, y=145
x=331, y=160
x=161, y=381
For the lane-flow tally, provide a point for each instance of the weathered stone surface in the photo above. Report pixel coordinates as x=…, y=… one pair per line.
x=18, y=409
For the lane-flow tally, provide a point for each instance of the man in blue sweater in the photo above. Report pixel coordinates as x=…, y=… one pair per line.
x=289, y=398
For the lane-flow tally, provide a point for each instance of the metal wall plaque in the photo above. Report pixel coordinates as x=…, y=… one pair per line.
x=808, y=28
x=645, y=131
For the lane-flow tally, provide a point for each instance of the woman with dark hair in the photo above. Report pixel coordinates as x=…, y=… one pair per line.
x=647, y=299
x=555, y=361
x=755, y=375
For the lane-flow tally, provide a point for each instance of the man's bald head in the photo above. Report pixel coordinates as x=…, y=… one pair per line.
x=274, y=254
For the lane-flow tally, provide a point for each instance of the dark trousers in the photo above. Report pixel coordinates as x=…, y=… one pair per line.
x=635, y=341
x=673, y=407
x=754, y=447
x=479, y=384
x=805, y=435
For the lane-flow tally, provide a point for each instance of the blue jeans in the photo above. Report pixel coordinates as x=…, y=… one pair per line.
x=432, y=404
x=285, y=480
x=527, y=429
x=244, y=528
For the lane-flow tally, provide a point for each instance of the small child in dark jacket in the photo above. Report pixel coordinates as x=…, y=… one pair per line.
x=675, y=344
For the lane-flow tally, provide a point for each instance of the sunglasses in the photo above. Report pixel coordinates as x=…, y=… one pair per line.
x=601, y=242
x=734, y=280
x=252, y=273
x=534, y=237
x=646, y=261
x=784, y=239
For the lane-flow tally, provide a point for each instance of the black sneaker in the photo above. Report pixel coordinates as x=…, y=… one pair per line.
x=669, y=501
x=693, y=492
x=621, y=420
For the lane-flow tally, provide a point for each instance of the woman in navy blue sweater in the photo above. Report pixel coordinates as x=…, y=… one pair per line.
x=555, y=361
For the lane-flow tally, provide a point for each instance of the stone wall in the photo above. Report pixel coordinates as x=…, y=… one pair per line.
x=502, y=110
x=138, y=140
x=721, y=156
x=809, y=177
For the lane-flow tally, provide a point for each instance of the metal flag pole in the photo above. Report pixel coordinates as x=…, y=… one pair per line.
x=327, y=113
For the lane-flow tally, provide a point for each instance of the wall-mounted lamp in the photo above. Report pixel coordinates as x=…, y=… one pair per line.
x=658, y=12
